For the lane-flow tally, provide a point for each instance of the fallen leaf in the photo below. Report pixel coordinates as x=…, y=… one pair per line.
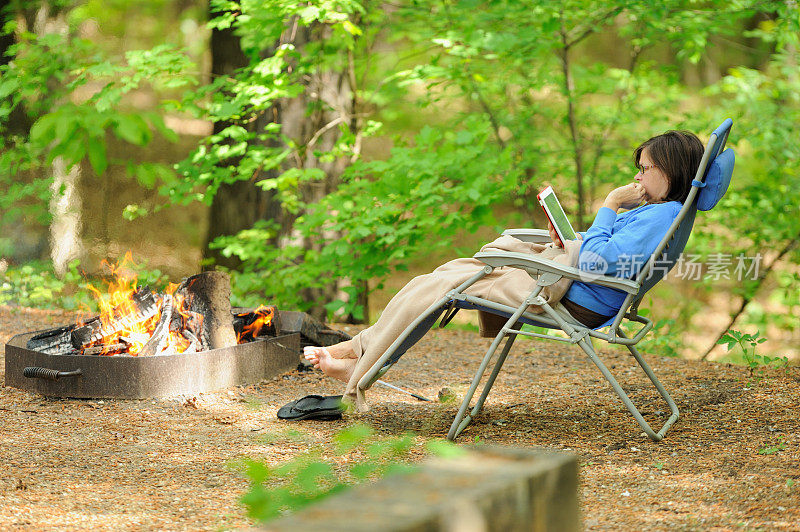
x=192, y=402
x=225, y=419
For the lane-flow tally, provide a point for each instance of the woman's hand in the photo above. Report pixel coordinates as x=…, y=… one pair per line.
x=553, y=234
x=625, y=197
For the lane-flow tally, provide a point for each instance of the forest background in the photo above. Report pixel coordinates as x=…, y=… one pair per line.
x=323, y=152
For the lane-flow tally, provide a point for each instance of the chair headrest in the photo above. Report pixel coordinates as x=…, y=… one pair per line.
x=716, y=182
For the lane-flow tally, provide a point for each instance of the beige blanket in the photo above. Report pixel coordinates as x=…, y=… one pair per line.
x=506, y=285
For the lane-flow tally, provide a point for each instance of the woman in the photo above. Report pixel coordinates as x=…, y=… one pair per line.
x=615, y=244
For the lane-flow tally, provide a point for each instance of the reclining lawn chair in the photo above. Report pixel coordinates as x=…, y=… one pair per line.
x=708, y=187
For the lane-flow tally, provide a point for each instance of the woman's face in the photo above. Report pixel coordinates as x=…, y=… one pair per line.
x=654, y=181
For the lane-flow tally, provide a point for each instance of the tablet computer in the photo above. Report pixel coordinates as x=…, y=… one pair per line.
x=556, y=215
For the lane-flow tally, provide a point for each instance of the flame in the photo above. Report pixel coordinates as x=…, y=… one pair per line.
x=263, y=319
x=117, y=304
x=122, y=321
x=181, y=306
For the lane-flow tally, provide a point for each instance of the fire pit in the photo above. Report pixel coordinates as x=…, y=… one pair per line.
x=146, y=345
x=129, y=377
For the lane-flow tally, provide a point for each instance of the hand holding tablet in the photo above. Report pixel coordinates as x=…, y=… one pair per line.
x=555, y=214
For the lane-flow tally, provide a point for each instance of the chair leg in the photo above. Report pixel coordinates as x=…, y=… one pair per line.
x=661, y=390
x=497, y=367
x=587, y=347
x=461, y=420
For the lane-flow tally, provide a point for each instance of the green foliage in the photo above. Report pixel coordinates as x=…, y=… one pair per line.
x=313, y=476
x=772, y=449
x=527, y=110
x=276, y=73
x=759, y=212
x=569, y=117
x=664, y=340
x=748, y=344
x=501, y=98
x=386, y=212
x=35, y=285
x=48, y=80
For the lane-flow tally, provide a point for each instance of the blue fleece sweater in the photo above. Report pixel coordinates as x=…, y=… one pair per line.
x=619, y=245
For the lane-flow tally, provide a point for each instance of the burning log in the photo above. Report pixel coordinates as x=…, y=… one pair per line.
x=143, y=306
x=194, y=343
x=185, y=321
x=252, y=324
x=109, y=349
x=208, y=294
x=53, y=342
x=161, y=333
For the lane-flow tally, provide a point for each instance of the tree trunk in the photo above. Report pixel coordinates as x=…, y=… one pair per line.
x=65, y=201
x=328, y=94
x=236, y=206
x=311, y=120
x=577, y=147
x=65, y=209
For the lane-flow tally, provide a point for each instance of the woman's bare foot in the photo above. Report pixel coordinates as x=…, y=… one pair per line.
x=338, y=368
x=340, y=350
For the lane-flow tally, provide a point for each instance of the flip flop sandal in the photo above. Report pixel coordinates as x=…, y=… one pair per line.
x=319, y=407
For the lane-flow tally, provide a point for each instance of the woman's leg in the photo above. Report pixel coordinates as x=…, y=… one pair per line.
x=405, y=307
x=401, y=310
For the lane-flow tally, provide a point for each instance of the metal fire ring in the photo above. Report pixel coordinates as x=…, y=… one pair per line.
x=130, y=377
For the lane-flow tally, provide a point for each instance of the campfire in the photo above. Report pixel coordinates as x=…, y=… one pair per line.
x=187, y=318
x=144, y=344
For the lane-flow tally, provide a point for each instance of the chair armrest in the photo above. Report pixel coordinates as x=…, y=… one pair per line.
x=537, y=265
x=537, y=236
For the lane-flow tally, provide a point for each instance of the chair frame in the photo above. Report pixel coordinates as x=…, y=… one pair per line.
x=548, y=272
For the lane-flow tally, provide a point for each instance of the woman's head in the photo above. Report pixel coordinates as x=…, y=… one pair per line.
x=667, y=164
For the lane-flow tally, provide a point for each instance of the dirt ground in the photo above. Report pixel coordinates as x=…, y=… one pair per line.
x=732, y=461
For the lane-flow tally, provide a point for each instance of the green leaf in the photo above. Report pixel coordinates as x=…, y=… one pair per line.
x=159, y=125
x=310, y=477
x=133, y=211
x=97, y=155
x=133, y=129
x=43, y=130
x=768, y=450
x=8, y=86
x=73, y=149
x=146, y=174
x=257, y=471
x=363, y=470
x=351, y=28
x=352, y=436
x=334, y=305
x=444, y=449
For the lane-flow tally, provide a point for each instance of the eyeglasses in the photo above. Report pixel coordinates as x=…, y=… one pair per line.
x=645, y=167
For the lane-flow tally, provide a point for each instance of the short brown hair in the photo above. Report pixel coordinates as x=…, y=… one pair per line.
x=678, y=155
